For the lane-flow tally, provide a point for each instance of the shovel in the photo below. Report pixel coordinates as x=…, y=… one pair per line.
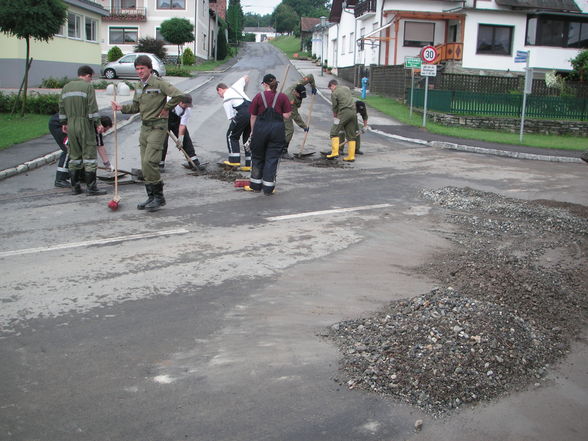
x=175, y=139
x=120, y=173
x=301, y=153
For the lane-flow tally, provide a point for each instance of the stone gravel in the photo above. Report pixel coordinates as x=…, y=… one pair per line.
x=512, y=295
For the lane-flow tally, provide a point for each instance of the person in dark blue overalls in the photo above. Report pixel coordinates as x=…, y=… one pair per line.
x=268, y=110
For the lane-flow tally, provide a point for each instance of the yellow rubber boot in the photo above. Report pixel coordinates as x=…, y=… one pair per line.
x=351, y=155
x=334, y=148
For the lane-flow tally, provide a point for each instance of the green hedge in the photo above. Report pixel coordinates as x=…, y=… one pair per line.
x=44, y=104
x=177, y=71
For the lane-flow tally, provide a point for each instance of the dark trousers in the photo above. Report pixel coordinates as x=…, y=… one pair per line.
x=240, y=128
x=188, y=146
x=267, y=144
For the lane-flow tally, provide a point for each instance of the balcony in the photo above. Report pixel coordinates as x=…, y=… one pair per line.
x=127, y=15
x=449, y=52
x=365, y=7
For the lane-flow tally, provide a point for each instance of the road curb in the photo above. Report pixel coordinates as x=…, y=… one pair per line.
x=480, y=150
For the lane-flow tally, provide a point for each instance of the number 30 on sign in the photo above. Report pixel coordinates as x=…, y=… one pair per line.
x=429, y=54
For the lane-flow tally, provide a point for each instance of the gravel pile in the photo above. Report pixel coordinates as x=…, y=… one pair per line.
x=514, y=295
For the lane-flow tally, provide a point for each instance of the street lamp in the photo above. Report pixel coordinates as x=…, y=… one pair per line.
x=323, y=25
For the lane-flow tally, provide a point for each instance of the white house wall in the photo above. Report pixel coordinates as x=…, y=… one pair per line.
x=154, y=19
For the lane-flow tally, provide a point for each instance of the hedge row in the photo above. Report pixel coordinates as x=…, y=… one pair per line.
x=44, y=104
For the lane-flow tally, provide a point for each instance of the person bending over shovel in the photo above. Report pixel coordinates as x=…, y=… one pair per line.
x=56, y=129
x=178, y=122
x=150, y=100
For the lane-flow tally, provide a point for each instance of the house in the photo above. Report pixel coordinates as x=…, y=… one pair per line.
x=307, y=25
x=130, y=20
x=261, y=33
x=76, y=44
x=473, y=36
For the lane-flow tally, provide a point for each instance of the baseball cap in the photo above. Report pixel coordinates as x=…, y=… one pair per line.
x=268, y=78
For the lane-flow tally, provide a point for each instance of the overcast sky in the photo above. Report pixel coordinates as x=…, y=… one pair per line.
x=261, y=7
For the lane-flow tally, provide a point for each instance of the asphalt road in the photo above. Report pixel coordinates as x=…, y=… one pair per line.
x=203, y=321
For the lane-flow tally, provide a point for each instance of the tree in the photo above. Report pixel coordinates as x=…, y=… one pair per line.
x=26, y=19
x=177, y=31
x=152, y=46
x=235, y=20
x=114, y=53
x=580, y=65
x=285, y=18
x=309, y=8
x=221, y=40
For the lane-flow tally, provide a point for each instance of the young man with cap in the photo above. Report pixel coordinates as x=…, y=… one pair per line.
x=177, y=123
x=150, y=100
x=295, y=94
x=268, y=111
x=236, y=105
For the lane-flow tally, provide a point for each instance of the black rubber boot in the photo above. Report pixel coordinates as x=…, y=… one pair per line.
x=149, y=189
x=158, y=199
x=92, y=189
x=75, y=176
x=61, y=179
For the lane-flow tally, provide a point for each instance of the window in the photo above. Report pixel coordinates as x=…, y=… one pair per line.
x=204, y=41
x=158, y=35
x=452, y=37
x=123, y=36
x=418, y=33
x=74, y=25
x=91, y=26
x=494, y=40
x=351, y=41
x=128, y=58
x=171, y=4
x=558, y=31
x=124, y=4
x=361, y=42
x=343, y=44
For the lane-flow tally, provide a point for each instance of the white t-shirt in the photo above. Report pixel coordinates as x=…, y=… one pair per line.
x=184, y=114
x=234, y=97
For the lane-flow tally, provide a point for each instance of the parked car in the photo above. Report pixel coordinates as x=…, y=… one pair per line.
x=125, y=66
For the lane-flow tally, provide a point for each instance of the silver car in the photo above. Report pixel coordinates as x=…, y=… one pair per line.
x=125, y=66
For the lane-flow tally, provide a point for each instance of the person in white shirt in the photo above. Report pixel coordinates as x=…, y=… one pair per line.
x=236, y=104
x=177, y=123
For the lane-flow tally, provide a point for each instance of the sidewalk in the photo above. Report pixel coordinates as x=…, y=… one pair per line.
x=35, y=153
x=386, y=126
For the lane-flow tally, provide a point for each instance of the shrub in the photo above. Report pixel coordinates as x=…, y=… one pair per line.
x=151, y=46
x=55, y=83
x=44, y=104
x=249, y=37
x=177, y=71
x=114, y=54
x=188, y=57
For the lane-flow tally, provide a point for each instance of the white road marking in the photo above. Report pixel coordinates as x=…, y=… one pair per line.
x=325, y=212
x=87, y=243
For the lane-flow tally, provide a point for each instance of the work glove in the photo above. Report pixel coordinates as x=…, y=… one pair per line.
x=313, y=90
x=306, y=129
x=108, y=165
x=180, y=141
x=336, y=121
x=247, y=145
x=363, y=129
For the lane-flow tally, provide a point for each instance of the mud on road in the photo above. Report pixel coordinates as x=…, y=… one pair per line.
x=512, y=296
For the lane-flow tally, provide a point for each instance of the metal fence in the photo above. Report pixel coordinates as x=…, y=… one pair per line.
x=500, y=104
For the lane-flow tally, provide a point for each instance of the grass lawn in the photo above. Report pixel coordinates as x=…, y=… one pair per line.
x=14, y=129
x=288, y=44
x=401, y=112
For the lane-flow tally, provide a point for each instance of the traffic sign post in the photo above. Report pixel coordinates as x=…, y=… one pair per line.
x=523, y=57
x=412, y=63
x=429, y=54
x=427, y=70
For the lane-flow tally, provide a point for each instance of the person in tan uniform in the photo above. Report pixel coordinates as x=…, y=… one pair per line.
x=150, y=101
x=344, y=119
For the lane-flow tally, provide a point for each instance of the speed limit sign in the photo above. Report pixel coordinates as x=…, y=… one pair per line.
x=429, y=54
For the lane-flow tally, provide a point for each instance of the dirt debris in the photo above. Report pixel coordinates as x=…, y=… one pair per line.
x=512, y=296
